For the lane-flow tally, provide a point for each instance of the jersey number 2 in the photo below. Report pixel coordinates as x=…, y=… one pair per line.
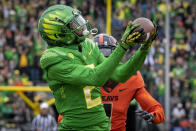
x=89, y=101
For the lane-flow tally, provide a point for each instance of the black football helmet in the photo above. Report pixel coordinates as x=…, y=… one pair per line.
x=106, y=43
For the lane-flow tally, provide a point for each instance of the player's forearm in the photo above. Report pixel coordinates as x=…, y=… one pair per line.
x=158, y=113
x=124, y=71
x=107, y=67
x=149, y=104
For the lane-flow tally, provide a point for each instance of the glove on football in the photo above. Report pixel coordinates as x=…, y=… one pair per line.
x=131, y=35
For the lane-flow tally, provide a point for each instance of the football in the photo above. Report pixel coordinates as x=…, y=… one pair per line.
x=147, y=25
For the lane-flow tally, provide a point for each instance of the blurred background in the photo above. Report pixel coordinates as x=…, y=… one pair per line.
x=21, y=47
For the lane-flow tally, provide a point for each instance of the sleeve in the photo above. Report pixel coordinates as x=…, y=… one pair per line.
x=149, y=104
x=125, y=70
x=69, y=72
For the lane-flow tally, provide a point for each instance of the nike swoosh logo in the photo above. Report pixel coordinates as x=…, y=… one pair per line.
x=122, y=89
x=90, y=52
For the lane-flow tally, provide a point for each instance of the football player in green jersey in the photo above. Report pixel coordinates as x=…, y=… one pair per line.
x=76, y=68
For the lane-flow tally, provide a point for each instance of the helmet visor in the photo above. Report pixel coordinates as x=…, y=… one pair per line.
x=79, y=25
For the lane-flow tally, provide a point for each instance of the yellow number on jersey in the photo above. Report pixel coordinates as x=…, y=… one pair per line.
x=90, y=102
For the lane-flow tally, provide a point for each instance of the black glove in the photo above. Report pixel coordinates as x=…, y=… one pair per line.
x=146, y=116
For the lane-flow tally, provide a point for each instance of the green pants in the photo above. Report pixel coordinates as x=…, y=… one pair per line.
x=103, y=126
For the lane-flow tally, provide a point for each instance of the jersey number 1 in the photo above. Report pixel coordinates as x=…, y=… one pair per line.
x=89, y=101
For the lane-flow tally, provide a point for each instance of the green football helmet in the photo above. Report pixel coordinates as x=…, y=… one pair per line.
x=62, y=25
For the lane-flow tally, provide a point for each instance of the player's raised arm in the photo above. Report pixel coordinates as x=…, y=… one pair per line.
x=126, y=70
x=68, y=71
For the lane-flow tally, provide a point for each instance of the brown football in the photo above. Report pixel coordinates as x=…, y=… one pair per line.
x=147, y=25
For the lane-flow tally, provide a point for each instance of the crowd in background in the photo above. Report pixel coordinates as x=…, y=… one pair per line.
x=21, y=47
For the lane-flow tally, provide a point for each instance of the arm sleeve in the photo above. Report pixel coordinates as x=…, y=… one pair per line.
x=71, y=73
x=149, y=104
x=125, y=70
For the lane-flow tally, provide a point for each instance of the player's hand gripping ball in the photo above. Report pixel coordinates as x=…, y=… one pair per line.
x=150, y=31
x=148, y=27
x=131, y=35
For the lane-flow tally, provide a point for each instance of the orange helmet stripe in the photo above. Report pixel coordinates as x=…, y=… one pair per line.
x=101, y=39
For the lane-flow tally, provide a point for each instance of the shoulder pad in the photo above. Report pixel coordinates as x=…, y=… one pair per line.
x=52, y=56
x=48, y=58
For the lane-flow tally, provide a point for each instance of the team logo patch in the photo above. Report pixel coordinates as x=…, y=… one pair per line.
x=90, y=52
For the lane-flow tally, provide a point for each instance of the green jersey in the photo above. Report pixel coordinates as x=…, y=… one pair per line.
x=75, y=77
